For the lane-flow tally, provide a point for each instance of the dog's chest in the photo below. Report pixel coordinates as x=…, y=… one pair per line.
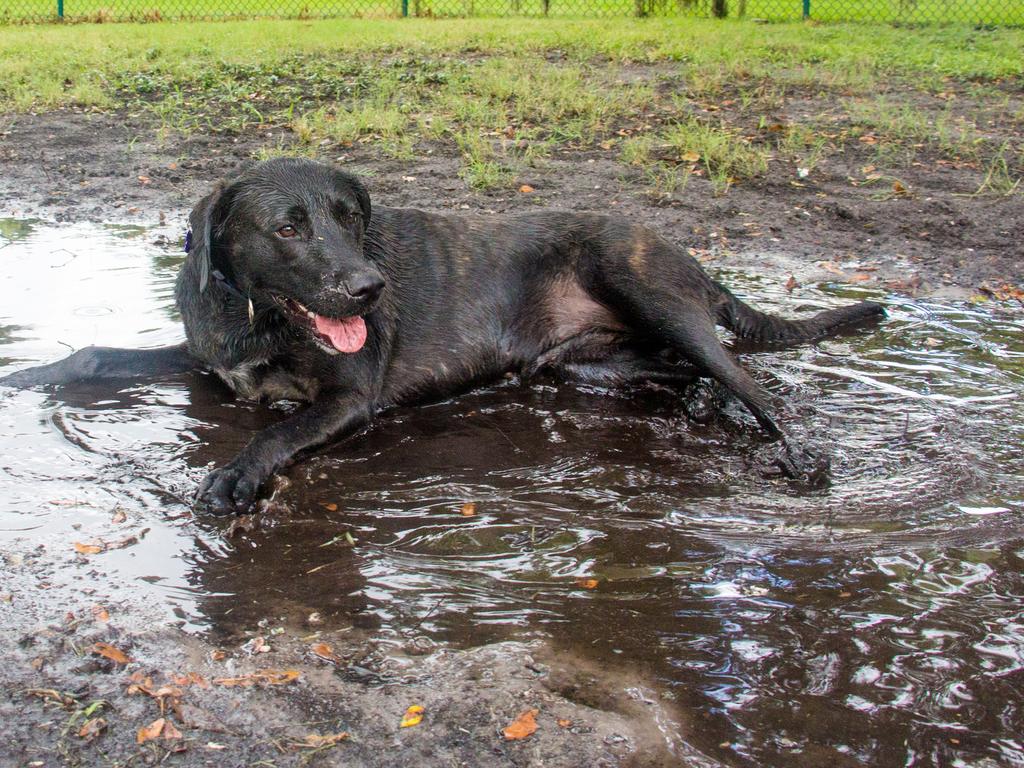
x=259, y=380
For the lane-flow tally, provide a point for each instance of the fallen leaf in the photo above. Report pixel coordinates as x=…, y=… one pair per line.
x=119, y=516
x=268, y=676
x=859, y=277
x=144, y=179
x=316, y=741
x=690, y=157
x=413, y=716
x=100, y=613
x=107, y=651
x=791, y=284
x=88, y=549
x=325, y=652
x=468, y=509
x=92, y=728
x=170, y=732
x=331, y=507
x=564, y=722
x=526, y=189
x=898, y=188
x=190, y=678
x=218, y=655
x=151, y=731
x=522, y=726
x=867, y=139
x=586, y=583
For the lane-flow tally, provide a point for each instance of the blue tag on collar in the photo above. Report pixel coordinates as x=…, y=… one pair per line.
x=188, y=241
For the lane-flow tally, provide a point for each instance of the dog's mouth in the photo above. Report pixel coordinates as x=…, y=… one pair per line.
x=332, y=334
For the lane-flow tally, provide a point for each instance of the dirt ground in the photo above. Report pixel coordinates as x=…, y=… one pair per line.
x=94, y=167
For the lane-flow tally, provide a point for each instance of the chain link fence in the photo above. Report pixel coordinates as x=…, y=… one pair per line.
x=980, y=12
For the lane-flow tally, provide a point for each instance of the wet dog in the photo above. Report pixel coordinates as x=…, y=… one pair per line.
x=295, y=288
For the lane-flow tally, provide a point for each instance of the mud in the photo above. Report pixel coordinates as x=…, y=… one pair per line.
x=941, y=239
x=624, y=573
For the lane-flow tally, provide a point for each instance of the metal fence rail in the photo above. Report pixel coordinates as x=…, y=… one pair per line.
x=981, y=12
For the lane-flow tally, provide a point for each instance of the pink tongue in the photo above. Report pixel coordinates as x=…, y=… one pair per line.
x=347, y=334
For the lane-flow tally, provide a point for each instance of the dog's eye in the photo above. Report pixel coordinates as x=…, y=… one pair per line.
x=287, y=231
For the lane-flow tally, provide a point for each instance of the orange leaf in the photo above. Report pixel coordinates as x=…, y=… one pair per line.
x=100, y=613
x=468, y=509
x=151, y=731
x=88, y=549
x=325, y=652
x=526, y=189
x=413, y=716
x=331, y=507
x=564, y=722
x=791, y=284
x=522, y=726
x=586, y=583
x=108, y=651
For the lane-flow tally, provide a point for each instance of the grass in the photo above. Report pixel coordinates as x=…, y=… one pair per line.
x=674, y=98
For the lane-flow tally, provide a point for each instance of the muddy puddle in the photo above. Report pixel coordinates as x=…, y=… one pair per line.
x=877, y=622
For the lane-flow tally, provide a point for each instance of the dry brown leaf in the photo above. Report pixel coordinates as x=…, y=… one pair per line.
x=413, y=716
x=522, y=726
x=170, y=732
x=316, y=741
x=332, y=507
x=791, y=284
x=119, y=516
x=144, y=179
x=859, y=277
x=88, y=549
x=100, y=613
x=151, y=731
x=190, y=678
x=468, y=509
x=690, y=157
x=564, y=722
x=107, y=651
x=526, y=189
x=218, y=655
x=586, y=583
x=268, y=676
x=325, y=652
x=92, y=728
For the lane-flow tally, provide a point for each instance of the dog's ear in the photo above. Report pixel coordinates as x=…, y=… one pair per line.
x=200, y=225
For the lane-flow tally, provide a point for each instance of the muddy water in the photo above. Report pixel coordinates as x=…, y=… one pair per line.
x=874, y=623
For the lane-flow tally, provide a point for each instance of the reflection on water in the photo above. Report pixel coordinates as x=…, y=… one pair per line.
x=875, y=623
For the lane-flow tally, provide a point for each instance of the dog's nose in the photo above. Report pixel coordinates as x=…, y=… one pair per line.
x=365, y=285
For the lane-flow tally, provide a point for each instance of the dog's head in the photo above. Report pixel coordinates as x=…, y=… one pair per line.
x=288, y=234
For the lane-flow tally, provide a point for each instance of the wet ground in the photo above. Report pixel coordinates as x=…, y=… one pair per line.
x=584, y=552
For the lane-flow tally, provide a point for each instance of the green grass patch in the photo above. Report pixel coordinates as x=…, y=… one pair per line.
x=506, y=94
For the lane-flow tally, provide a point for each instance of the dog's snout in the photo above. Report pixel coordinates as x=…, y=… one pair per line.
x=364, y=285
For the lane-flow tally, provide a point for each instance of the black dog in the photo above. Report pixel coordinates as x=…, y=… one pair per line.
x=292, y=290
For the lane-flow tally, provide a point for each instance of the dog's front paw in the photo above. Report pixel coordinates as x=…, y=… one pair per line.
x=230, y=490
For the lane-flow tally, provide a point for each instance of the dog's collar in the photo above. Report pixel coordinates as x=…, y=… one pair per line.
x=217, y=275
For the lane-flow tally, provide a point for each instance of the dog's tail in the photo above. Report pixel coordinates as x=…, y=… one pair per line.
x=749, y=324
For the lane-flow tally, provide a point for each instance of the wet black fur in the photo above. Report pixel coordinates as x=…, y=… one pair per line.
x=448, y=301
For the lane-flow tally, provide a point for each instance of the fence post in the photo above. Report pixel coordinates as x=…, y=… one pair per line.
x=60, y=9
x=807, y=9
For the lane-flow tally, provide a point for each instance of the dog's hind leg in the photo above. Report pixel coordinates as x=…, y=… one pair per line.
x=105, y=363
